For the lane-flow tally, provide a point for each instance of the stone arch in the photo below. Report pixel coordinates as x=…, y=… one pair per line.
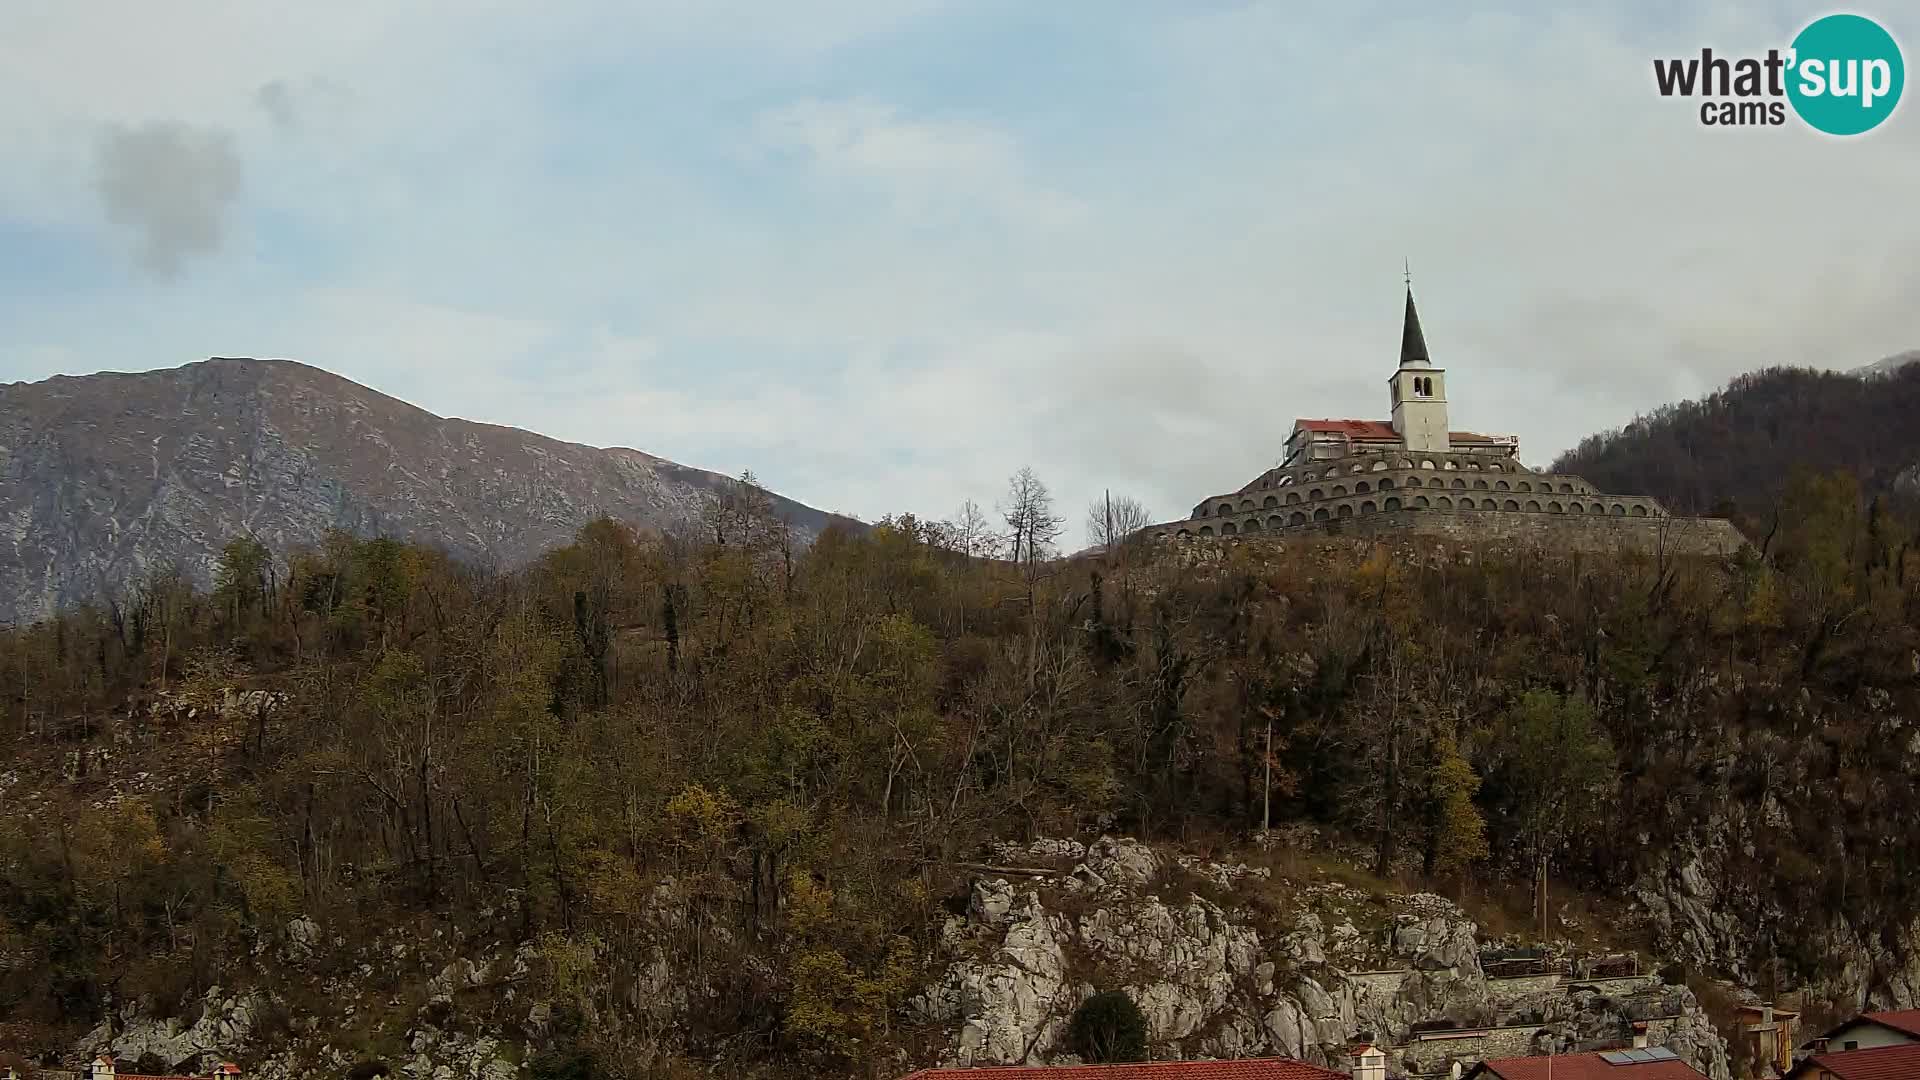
x=1357, y=468
x=1566, y=489
x=1227, y=528
x=1339, y=490
x=1479, y=485
x=1252, y=525
x=1183, y=535
x=1316, y=495
x=1450, y=466
x=1226, y=508
x=1346, y=510
x=1413, y=481
x=1368, y=507
x=1274, y=522
x=1533, y=506
x=1459, y=482
x=1420, y=502
x=1488, y=504
x=1386, y=483
x=1619, y=510
x=1502, y=485
x=1298, y=518
x=1206, y=530
x=1283, y=481
x=1496, y=468
x=1380, y=466
x=1445, y=503
x=1426, y=463
x=1524, y=486
x=1392, y=503
x=1638, y=510
x=1246, y=504
x=1554, y=508
x=1510, y=505
x=1270, y=502
x=1362, y=488
x=1473, y=466
x=1321, y=514
x=1292, y=497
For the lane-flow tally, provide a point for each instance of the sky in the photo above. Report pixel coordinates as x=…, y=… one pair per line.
x=885, y=252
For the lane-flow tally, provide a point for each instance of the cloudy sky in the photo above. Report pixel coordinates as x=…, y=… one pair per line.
x=883, y=252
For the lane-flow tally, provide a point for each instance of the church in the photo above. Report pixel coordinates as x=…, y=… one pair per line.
x=1414, y=474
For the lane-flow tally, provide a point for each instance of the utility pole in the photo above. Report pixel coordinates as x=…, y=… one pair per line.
x=1266, y=783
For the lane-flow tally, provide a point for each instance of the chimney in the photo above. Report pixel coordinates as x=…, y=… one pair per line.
x=102, y=1067
x=1369, y=1062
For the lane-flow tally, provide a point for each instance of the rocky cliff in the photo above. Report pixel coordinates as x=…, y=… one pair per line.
x=106, y=477
x=1223, y=960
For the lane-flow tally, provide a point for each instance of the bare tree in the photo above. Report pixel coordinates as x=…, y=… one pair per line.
x=1112, y=520
x=1033, y=528
x=970, y=533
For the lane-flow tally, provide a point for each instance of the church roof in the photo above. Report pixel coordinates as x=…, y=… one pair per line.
x=1381, y=431
x=1413, y=344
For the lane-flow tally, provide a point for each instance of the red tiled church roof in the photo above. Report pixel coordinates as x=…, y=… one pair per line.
x=1583, y=1067
x=1880, y=1063
x=1377, y=430
x=1244, y=1069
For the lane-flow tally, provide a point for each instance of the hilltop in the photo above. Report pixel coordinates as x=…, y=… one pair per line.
x=112, y=477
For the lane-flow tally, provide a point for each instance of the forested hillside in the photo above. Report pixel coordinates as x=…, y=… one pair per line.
x=810, y=746
x=1733, y=451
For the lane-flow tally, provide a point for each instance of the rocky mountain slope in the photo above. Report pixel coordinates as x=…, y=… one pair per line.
x=106, y=477
x=1224, y=960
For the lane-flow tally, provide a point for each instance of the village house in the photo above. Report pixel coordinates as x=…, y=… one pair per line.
x=1898, y=1062
x=1768, y=1034
x=1869, y=1031
x=1639, y=1063
x=1241, y=1069
x=103, y=1068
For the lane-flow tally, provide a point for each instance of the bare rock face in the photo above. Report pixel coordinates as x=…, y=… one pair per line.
x=1211, y=984
x=104, y=478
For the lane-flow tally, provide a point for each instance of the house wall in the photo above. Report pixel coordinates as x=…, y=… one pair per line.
x=1868, y=1036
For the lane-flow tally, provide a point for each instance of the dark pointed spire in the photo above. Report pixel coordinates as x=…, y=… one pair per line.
x=1413, y=344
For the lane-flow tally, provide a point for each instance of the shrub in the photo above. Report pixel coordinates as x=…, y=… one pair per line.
x=1108, y=1027
x=563, y=1065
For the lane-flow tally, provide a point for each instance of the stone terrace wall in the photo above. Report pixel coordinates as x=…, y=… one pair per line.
x=1694, y=536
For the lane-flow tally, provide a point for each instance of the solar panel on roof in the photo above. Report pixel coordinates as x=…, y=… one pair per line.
x=1639, y=1055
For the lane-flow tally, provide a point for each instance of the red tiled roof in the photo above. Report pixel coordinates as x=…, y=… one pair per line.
x=1584, y=1067
x=1907, y=1020
x=1380, y=430
x=143, y=1076
x=1353, y=429
x=1879, y=1063
x=1243, y=1069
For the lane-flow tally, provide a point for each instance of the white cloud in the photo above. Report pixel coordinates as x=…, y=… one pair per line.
x=920, y=164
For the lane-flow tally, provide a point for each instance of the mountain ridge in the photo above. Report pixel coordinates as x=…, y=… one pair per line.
x=113, y=475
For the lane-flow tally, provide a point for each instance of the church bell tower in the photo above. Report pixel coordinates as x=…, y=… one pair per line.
x=1419, y=391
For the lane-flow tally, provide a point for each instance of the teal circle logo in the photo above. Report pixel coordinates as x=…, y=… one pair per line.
x=1845, y=74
